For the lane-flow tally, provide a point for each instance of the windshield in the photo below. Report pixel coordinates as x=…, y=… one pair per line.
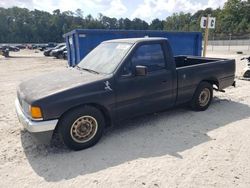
x=62, y=48
x=105, y=57
x=59, y=46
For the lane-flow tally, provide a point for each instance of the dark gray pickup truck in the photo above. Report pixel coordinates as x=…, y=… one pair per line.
x=117, y=80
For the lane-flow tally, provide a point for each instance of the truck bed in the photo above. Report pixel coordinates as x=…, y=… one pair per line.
x=192, y=70
x=183, y=61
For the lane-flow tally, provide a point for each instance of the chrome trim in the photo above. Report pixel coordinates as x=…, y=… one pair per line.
x=34, y=126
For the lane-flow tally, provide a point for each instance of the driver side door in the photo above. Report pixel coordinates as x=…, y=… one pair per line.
x=137, y=95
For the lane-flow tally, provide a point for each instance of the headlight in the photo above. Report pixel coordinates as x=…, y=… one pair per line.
x=35, y=112
x=25, y=106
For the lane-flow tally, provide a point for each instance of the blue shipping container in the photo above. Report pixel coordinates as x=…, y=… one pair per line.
x=81, y=41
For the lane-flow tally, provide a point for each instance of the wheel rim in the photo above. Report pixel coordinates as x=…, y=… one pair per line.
x=204, y=97
x=84, y=129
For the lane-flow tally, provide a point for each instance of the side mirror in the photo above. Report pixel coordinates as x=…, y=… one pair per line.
x=141, y=70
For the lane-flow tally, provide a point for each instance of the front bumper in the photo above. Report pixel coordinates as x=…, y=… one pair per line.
x=41, y=130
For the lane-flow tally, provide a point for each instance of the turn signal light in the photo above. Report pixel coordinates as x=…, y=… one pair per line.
x=35, y=112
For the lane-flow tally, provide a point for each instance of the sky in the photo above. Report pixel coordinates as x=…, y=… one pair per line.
x=144, y=9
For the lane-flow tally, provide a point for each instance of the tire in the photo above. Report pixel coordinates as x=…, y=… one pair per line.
x=82, y=121
x=202, y=97
x=60, y=56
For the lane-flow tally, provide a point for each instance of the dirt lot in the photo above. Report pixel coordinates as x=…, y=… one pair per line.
x=176, y=148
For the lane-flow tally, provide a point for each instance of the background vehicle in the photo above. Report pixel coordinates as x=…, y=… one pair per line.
x=34, y=46
x=47, y=46
x=119, y=79
x=4, y=52
x=58, y=53
x=20, y=46
x=47, y=51
x=65, y=54
x=247, y=68
x=10, y=48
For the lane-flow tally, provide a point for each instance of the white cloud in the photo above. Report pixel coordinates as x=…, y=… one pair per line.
x=215, y=3
x=19, y=3
x=113, y=8
x=151, y=9
x=147, y=10
x=116, y=8
x=65, y=5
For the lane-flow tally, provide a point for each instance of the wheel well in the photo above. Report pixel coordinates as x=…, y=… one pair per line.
x=105, y=113
x=103, y=110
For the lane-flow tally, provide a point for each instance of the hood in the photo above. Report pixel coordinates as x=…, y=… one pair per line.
x=55, y=82
x=56, y=50
x=48, y=50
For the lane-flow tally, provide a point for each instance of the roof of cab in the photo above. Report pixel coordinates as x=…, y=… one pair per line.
x=135, y=40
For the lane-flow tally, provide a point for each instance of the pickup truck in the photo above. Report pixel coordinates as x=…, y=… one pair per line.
x=117, y=80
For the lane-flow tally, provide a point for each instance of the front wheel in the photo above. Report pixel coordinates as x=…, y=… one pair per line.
x=60, y=56
x=202, y=97
x=82, y=127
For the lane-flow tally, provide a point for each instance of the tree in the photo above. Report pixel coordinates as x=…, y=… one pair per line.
x=20, y=25
x=156, y=24
x=79, y=13
x=178, y=22
x=108, y=23
x=127, y=24
x=139, y=24
x=235, y=16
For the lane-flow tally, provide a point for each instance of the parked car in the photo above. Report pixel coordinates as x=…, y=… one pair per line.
x=10, y=48
x=42, y=47
x=119, y=79
x=34, y=46
x=47, y=46
x=246, y=73
x=4, y=52
x=58, y=53
x=65, y=54
x=29, y=46
x=20, y=46
x=47, y=52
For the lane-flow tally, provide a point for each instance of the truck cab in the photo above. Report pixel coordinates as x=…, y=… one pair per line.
x=146, y=81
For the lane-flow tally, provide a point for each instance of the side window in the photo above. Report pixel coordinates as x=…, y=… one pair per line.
x=127, y=69
x=151, y=56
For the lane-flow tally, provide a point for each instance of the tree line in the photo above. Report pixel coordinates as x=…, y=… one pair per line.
x=20, y=25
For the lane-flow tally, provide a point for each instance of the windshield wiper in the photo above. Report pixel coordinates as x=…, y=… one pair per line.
x=89, y=70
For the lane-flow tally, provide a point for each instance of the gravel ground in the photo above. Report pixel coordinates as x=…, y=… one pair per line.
x=176, y=148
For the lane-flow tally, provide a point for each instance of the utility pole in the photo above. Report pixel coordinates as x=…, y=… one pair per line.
x=206, y=36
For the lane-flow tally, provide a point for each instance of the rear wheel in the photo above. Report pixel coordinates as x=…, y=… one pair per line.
x=60, y=56
x=202, y=97
x=82, y=127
